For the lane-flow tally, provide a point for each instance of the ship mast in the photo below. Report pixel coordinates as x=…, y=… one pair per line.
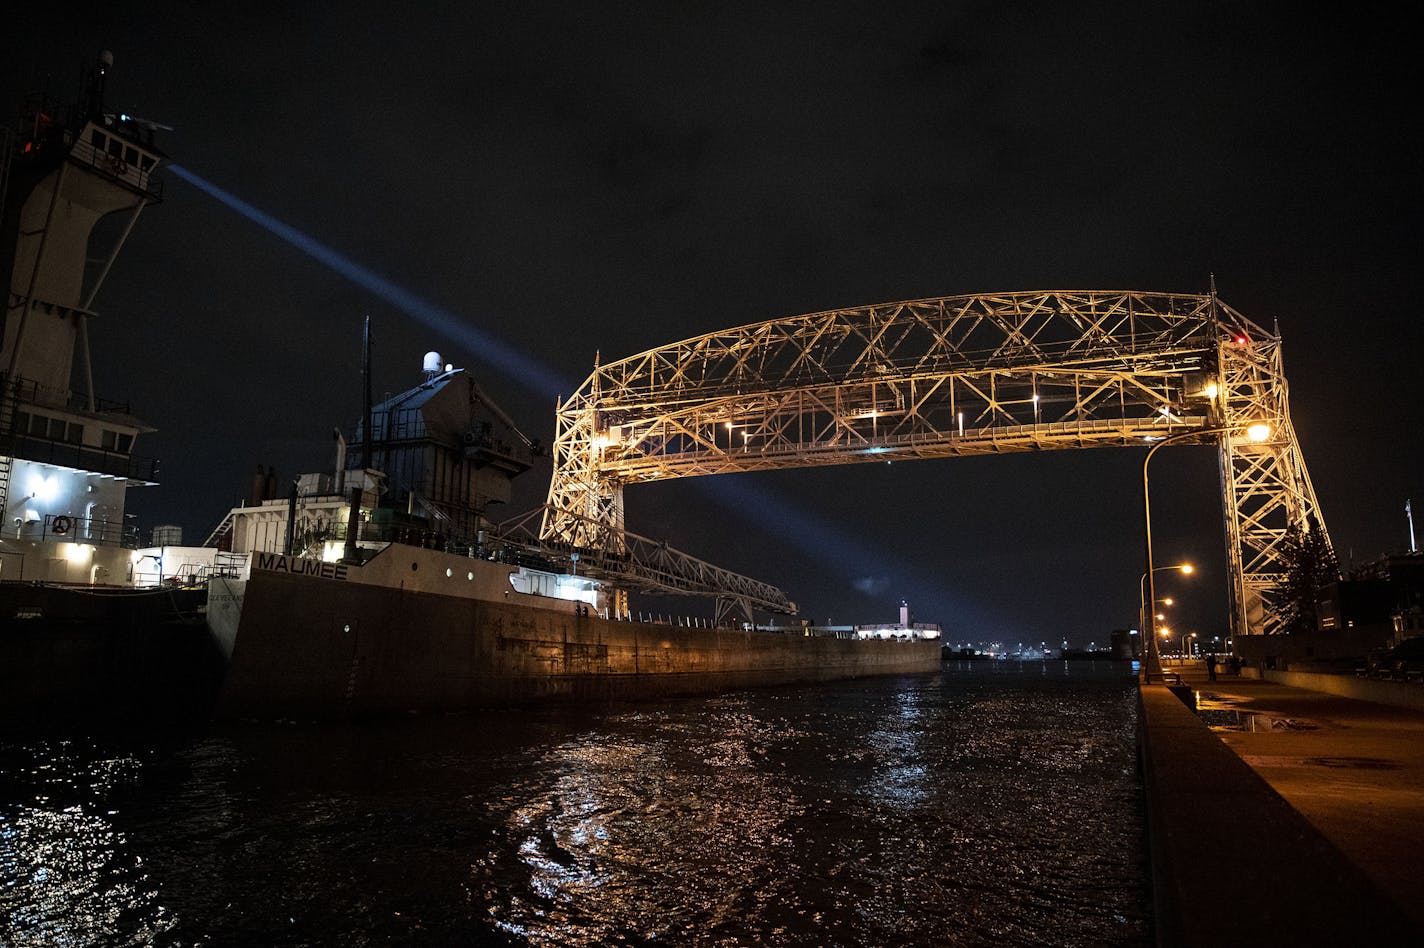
x=352, y=554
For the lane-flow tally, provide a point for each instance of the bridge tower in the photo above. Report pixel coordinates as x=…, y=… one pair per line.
x=66, y=456
x=1265, y=487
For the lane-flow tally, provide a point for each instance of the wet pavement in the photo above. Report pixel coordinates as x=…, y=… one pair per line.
x=1353, y=769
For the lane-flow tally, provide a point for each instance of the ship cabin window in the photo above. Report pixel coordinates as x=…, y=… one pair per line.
x=22, y=422
x=57, y=429
x=115, y=441
x=97, y=139
x=39, y=426
x=116, y=148
x=146, y=162
x=75, y=434
x=131, y=155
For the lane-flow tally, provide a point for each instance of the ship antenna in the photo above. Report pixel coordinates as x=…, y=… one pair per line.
x=96, y=87
x=352, y=553
x=366, y=394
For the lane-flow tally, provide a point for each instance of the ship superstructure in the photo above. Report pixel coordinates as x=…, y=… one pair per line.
x=439, y=456
x=67, y=456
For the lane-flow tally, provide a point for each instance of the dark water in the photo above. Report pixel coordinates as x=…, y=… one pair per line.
x=994, y=803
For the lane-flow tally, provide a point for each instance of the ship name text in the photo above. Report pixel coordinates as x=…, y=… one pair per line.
x=299, y=566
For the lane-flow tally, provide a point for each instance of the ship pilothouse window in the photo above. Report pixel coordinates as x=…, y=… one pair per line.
x=115, y=441
x=97, y=139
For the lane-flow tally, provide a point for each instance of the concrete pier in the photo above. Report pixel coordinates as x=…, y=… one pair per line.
x=1306, y=830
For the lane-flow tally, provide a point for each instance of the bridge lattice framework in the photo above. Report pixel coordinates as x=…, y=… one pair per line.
x=949, y=377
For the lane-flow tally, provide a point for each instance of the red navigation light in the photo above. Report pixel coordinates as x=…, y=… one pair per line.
x=1241, y=340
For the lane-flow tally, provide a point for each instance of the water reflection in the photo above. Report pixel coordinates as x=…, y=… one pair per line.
x=976, y=807
x=71, y=877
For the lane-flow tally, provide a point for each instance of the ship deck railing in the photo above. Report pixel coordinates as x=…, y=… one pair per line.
x=93, y=531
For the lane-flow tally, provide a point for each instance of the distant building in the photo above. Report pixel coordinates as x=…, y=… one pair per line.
x=1373, y=606
x=1382, y=599
x=902, y=629
x=1125, y=645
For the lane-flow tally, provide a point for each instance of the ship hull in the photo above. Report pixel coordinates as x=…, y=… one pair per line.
x=301, y=645
x=93, y=657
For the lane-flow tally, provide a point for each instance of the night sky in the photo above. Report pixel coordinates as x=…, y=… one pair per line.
x=553, y=180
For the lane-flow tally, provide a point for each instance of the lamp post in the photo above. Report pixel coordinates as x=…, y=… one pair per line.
x=1256, y=432
x=1142, y=624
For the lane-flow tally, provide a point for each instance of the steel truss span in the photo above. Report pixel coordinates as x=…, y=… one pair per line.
x=961, y=375
x=646, y=565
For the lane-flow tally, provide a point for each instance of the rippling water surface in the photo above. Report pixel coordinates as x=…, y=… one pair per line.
x=990, y=804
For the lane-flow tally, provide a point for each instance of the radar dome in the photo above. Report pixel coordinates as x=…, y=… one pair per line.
x=432, y=363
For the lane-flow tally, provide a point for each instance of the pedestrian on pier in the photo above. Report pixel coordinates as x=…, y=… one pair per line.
x=1211, y=666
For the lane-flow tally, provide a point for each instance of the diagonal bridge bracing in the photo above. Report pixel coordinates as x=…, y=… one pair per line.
x=963, y=375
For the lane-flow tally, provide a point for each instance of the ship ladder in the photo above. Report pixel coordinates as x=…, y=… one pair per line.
x=5, y=463
x=220, y=531
x=7, y=439
x=436, y=514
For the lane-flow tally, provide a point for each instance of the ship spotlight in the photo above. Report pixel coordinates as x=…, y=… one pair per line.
x=78, y=552
x=1259, y=431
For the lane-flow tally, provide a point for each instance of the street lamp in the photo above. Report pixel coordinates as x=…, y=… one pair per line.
x=1257, y=431
x=1182, y=646
x=1142, y=623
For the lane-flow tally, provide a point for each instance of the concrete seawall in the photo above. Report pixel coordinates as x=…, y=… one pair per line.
x=1232, y=862
x=1397, y=694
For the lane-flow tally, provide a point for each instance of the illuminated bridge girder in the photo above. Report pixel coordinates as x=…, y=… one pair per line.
x=965, y=375
x=642, y=564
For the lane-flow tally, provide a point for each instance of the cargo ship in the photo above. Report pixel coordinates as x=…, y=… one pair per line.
x=378, y=586
x=421, y=602
x=415, y=629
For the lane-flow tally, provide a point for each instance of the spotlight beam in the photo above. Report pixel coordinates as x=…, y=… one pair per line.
x=530, y=373
x=760, y=507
